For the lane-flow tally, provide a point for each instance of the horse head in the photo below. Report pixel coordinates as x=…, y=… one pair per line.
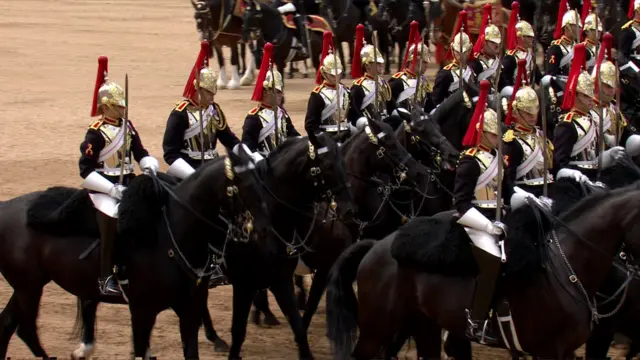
x=427, y=137
x=204, y=18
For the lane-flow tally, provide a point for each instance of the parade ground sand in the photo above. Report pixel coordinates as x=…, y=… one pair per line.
x=48, y=62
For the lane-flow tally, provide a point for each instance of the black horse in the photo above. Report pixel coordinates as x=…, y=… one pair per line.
x=387, y=274
x=268, y=21
x=401, y=13
x=51, y=235
x=343, y=16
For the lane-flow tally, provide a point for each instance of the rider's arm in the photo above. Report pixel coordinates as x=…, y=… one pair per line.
x=173, y=140
x=223, y=131
x=441, y=86
x=313, y=118
x=291, y=130
x=137, y=149
x=90, y=151
x=509, y=68
x=553, y=58
x=251, y=132
x=464, y=189
x=357, y=96
x=564, y=137
x=625, y=49
x=513, y=159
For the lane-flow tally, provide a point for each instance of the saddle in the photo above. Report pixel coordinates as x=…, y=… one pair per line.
x=312, y=22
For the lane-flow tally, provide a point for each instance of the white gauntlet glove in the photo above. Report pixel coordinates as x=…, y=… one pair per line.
x=361, y=123
x=612, y=155
x=633, y=145
x=116, y=191
x=149, y=163
x=573, y=174
x=495, y=228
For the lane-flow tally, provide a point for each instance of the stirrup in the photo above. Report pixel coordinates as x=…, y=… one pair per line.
x=217, y=277
x=109, y=286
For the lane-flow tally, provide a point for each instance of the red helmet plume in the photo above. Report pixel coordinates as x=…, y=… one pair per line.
x=101, y=78
x=201, y=62
x=327, y=45
x=462, y=24
x=564, y=6
x=512, y=33
x=265, y=66
x=356, y=62
x=413, y=31
x=474, y=131
x=486, y=20
x=521, y=78
x=605, y=50
x=578, y=64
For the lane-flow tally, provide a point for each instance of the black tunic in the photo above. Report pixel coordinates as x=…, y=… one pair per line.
x=444, y=79
x=253, y=125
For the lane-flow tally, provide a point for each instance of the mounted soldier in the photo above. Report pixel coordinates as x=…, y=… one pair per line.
x=520, y=36
x=592, y=31
x=629, y=63
x=403, y=84
x=370, y=94
x=484, y=59
x=476, y=184
x=576, y=136
x=106, y=167
x=560, y=53
x=296, y=7
x=263, y=131
x=448, y=78
x=197, y=122
x=617, y=131
x=329, y=101
x=526, y=145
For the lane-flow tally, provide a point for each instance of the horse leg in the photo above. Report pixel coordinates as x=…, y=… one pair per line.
x=457, y=347
x=291, y=70
x=86, y=317
x=599, y=341
x=142, y=322
x=305, y=70
x=428, y=338
x=189, y=312
x=318, y=286
x=242, y=48
x=283, y=292
x=219, y=345
x=301, y=296
x=401, y=46
x=234, y=83
x=9, y=323
x=222, y=75
x=242, y=298
x=261, y=302
x=248, y=77
x=29, y=302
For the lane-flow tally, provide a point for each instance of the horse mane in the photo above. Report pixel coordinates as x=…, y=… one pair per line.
x=593, y=200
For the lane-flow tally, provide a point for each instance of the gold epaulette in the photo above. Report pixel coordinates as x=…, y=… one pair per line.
x=398, y=75
x=511, y=52
x=509, y=136
x=556, y=42
x=568, y=117
x=358, y=81
x=627, y=24
x=95, y=125
x=182, y=105
x=449, y=67
x=317, y=89
x=254, y=110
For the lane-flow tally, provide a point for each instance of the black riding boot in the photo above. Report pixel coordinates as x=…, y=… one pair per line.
x=107, y=282
x=302, y=34
x=479, y=325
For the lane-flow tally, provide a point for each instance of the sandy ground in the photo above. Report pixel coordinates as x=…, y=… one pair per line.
x=48, y=57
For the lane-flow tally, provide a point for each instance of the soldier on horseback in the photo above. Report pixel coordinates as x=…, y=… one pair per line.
x=329, y=101
x=262, y=130
x=196, y=118
x=297, y=8
x=616, y=128
x=476, y=184
x=576, y=135
x=560, y=53
x=484, y=59
x=363, y=105
x=448, y=78
x=524, y=141
x=520, y=46
x=403, y=84
x=629, y=62
x=592, y=29
x=106, y=166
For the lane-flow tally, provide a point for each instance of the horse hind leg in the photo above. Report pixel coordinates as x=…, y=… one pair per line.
x=86, y=321
x=242, y=297
x=234, y=83
x=249, y=76
x=142, y=322
x=261, y=302
x=222, y=75
x=284, y=294
x=219, y=345
x=29, y=302
x=9, y=323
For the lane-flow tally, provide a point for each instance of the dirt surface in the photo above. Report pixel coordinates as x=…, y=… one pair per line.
x=49, y=54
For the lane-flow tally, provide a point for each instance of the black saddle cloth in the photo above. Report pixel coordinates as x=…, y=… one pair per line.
x=63, y=211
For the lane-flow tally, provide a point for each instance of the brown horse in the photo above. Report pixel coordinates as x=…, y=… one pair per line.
x=218, y=22
x=572, y=261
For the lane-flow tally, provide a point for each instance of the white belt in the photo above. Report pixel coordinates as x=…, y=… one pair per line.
x=533, y=182
x=208, y=154
x=128, y=169
x=587, y=164
x=334, y=128
x=485, y=204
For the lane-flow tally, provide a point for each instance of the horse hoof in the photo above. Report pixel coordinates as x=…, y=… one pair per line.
x=83, y=352
x=256, y=317
x=221, y=85
x=233, y=85
x=290, y=76
x=221, y=346
x=270, y=320
x=246, y=80
x=305, y=76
